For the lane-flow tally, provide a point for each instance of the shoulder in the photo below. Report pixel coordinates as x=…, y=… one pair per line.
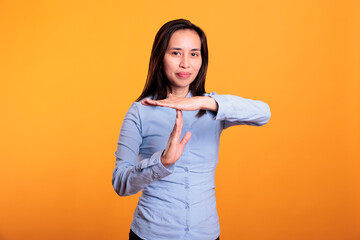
x=142, y=111
x=135, y=108
x=138, y=106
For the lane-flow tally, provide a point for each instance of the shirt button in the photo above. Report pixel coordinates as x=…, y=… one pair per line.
x=187, y=206
x=186, y=187
x=186, y=169
x=187, y=229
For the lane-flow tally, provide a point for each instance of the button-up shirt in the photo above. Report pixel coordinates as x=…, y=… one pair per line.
x=177, y=202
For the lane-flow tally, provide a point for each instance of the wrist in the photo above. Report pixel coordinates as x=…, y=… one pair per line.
x=162, y=160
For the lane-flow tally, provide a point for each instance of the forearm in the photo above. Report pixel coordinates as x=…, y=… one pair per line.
x=132, y=174
x=128, y=179
x=235, y=110
x=209, y=103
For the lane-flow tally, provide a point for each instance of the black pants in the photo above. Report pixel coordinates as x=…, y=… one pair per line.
x=133, y=236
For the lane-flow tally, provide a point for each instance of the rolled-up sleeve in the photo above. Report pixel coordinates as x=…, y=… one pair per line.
x=131, y=175
x=235, y=110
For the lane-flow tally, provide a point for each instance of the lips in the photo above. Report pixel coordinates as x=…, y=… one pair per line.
x=183, y=74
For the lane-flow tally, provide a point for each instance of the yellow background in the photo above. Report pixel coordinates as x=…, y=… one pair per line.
x=69, y=71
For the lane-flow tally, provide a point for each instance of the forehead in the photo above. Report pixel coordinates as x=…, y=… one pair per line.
x=185, y=38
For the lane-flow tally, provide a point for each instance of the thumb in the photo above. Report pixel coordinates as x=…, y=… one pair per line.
x=185, y=139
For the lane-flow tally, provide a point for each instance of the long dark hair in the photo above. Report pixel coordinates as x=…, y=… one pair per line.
x=156, y=82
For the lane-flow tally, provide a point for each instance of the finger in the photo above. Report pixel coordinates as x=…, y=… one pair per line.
x=173, y=132
x=163, y=102
x=180, y=121
x=150, y=101
x=143, y=102
x=185, y=139
x=178, y=124
x=160, y=103
x=147, y=102
x=176, y=133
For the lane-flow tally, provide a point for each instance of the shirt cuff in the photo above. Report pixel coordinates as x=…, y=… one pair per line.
x=159, y=170
x=222, y=105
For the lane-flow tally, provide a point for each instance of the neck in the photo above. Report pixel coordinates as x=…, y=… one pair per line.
x=179, y=92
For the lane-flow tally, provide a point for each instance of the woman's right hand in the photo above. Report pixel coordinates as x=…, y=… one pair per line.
x=174, y=147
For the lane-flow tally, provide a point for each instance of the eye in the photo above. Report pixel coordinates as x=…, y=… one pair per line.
x=194, y=54
x=175, y=53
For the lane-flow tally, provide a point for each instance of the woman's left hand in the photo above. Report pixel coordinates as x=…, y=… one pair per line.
x=180, y=103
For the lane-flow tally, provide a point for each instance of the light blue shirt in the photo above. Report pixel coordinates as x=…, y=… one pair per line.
x=177, y=202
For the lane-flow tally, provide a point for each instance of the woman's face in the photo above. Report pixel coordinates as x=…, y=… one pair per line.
x=182, y=59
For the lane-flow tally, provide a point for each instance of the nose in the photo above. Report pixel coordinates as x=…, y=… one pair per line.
x=184, y=63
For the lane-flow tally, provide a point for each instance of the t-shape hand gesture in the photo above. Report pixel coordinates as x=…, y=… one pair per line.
x=174, y=147
x=184, y=103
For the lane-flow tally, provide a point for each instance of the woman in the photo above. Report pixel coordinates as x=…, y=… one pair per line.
x=169, y=139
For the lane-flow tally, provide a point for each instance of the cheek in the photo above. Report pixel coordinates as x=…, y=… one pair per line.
x=167, y=71
x=198, y=66
x=169, y=66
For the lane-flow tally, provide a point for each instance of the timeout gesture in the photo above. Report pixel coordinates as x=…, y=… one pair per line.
x=184, y=103
x=174, y=147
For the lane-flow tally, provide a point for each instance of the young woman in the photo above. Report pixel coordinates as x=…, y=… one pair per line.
x=169, y=140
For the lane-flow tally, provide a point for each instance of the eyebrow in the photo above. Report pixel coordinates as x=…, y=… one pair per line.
x=194, y=49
